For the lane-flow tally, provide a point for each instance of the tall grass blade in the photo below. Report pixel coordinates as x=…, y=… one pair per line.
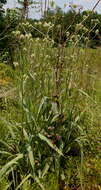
x=23, y=181
x=9, y=164
x=31, y=157
x=29, y=149
x=39, y=183
x=29, y=113
x=43, y=101
x=85, y=94
x=45, y=170
x=25, y=135
x=42, y=137
x=7, y=153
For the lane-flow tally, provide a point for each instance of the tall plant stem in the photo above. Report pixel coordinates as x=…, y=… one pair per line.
x=58, y=72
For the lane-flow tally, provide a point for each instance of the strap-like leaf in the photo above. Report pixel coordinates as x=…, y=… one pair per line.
x=9, y=164
x=48, y=141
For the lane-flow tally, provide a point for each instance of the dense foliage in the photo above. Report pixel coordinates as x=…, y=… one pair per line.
x=59, y=26
x=2, y=19
x=69, y=23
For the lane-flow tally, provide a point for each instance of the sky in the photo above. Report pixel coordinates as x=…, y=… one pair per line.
x=87, y=4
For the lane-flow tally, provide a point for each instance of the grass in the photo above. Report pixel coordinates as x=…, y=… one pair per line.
x=50, y=118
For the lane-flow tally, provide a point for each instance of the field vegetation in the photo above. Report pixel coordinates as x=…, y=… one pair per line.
x=50, y=100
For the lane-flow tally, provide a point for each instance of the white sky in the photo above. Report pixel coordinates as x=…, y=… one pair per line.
x=87, y=4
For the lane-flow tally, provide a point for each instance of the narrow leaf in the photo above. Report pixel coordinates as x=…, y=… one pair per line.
x=31, y=157
x=9, y=164
x=23, y=181
x=49, y=142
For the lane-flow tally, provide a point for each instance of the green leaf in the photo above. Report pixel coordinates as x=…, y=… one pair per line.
x=44, y=102
x=31, y=157
x=35, y=178
x=29, y=149
x=4, y=152
x=49, y=142
x=39, y=183
x=85, y=94
x=45, y=170
x=25, y=135
x=9, y=164
x=23, y=181
x=29, y=113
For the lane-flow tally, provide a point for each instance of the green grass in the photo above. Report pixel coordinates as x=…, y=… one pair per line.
x=50, y=118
